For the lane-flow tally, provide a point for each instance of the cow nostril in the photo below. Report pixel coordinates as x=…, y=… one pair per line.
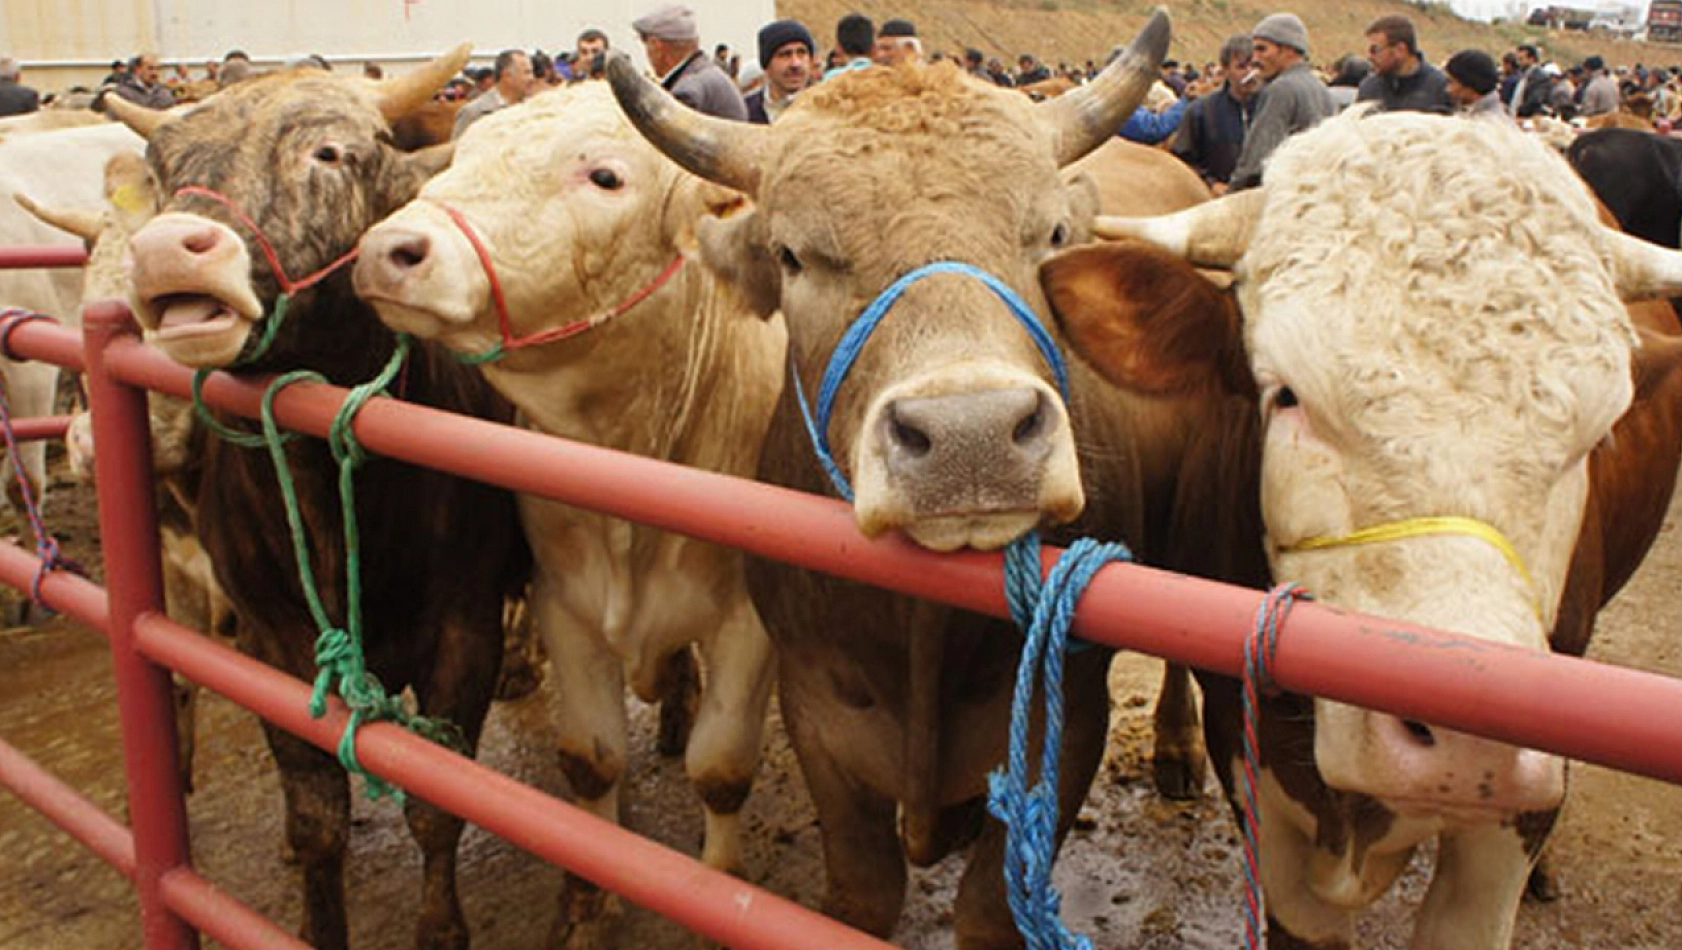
x=1032, y=426
x=910, y=439
x=1420, y=732
x=410, y=252
x=200, y=242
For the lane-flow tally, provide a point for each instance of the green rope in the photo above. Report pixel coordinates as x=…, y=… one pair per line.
x=271, y=329
x=491, y=355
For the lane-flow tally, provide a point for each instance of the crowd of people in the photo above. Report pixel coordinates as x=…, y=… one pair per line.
x=1223, y=118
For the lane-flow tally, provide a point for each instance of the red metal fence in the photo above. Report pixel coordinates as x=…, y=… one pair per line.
x=1616, y=717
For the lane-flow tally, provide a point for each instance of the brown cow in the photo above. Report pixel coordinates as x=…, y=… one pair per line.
x=303, y=160
x=949, y=428
x=1420, y=343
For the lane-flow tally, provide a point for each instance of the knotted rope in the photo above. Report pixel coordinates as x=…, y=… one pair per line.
x=46, y=545
x=1045, y=611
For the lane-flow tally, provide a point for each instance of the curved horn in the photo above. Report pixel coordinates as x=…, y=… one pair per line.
x=718, y=150
x=1087, y=117
x=1214, y=234
x=1643, y=270
x=400, y=95
x=83, y=224
x=142, y=120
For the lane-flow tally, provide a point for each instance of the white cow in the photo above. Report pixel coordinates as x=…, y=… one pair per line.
x=578, y=218
x=57, y=169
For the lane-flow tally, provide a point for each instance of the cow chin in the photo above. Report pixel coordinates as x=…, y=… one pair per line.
x=216, y=344
x=982, y=533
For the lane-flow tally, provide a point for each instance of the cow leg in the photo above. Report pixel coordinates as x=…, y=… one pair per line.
x=31, y=391
x=982, y=916
x=1296, y=919
x=458, y=689
x=1543, y=887
x=1178, y=761
x=680, y=700
x=589, y=703
x=1474, y=895
x=863, y=863
x=317, y=830
x=723, y=753
x=522, y=656
x=186, y=695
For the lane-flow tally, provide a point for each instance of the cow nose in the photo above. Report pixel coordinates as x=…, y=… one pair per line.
x=391, y=257
x=1429, y=764
x=183, y=236
x=943, y=443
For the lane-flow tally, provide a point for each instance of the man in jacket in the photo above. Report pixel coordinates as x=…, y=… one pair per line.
x=514, y=82
x=673, y=42
x=1292, y=101
x=1212, y=135
x=785, y=53
x=1401, y=79
x=15, y=98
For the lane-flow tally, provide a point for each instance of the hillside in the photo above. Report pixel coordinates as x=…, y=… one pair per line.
x=1077, y=30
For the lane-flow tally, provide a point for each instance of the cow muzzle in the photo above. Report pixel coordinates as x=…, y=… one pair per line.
x=191, y=289
x=421, y=275
x=976, y=466
x=1422, y=770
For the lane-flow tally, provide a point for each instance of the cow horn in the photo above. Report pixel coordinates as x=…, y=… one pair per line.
x=718, y=150
x=1215, y=234
x=1087, y=117
x=1643, y=270
x=83, y=224
x=401, y=95
x=142, y=120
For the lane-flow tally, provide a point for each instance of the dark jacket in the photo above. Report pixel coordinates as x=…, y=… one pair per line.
x=1212, y=136
x=1532, y=93
x=17, y=100
x=1424, y=91
x=1292, y=101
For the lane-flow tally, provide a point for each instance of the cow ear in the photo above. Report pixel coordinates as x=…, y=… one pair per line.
x=431, y=160
x=1146, y=320
x=131, y=191
x=734, y=248
x=1083, y=208
x=1653, y=362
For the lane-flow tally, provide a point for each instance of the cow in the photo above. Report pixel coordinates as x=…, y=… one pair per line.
x=950, y=430
x=1638, y=176
x=58, y=168
x=1416, y=341
x=431, y=124
x=295, y=167
x=579, y=217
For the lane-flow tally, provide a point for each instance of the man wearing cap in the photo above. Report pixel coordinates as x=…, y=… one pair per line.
x=672, y=41
x=1473, y=79
x=1600, y=96
x=785, y=53
x=898, y=43
x=1401, y=79
x=1293, y=99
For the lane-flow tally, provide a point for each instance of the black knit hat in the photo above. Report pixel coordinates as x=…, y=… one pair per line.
x=777, y=34
x=898, y=28
x=1475, y=70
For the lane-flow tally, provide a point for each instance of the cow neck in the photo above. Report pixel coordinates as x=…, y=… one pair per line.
x=509, y=342
x=858, y=334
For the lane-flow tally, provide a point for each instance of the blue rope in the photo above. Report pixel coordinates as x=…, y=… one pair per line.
x=852, y=344
x=1259, y=651
x=1044, y=610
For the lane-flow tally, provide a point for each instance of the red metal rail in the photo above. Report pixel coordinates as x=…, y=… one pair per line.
x=45, y=255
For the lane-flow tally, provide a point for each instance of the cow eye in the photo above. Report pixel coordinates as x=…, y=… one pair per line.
x=328, y=154
x=1285, y=398
x=606, y=179
x=790, y=262
x=1060, y=235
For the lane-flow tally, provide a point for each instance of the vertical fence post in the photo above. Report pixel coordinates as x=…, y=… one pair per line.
x=129, y=536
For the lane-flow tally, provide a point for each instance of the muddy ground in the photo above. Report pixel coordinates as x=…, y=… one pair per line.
x=1140, y=873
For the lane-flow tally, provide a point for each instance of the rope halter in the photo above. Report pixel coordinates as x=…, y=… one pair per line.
x=1430, y=527
x=505, y=324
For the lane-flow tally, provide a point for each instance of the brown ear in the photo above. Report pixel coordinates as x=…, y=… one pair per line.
x=1654, y=360
x=1147, y=320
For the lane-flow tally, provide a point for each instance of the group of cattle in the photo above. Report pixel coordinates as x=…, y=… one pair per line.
x=1425, y=317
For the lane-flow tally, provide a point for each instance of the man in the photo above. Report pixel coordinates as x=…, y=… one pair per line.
x=15, y=98
x=514, y=80
x=975, y=64
x=855, y=36
x=590, y=58
x=1401, y=80
x=1600, y=95
x=1473, y=85
x=785, y=54
x=1030, y=70
x=672, y=41
x=1173, y=78
x=1212, y=135
x=1530, y=96
x=898, y=43
x=1292, y=101
x=140, y=84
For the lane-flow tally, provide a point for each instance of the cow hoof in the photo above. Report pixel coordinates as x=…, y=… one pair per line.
x=520, y=678
x=587, y=919
x=447, y=937
x=1542, y=887
x=1178, y=779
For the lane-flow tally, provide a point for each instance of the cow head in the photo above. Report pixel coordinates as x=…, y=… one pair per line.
x=950, y=425
x=301, y=160
x=574, y=212
x=1434, y=323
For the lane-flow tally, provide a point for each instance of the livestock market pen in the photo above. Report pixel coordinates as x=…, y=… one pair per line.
x=1581, y=709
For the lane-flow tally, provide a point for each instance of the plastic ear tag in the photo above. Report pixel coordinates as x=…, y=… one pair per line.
x=130, y=199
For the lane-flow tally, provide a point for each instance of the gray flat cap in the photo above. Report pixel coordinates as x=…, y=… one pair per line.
x=674, y=21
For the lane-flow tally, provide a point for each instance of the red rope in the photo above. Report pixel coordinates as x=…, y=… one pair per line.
x=288, y=286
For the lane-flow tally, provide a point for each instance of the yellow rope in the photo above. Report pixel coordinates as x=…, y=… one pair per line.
x=1427, y=527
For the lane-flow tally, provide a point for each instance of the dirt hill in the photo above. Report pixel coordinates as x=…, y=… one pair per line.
x=1074, y=31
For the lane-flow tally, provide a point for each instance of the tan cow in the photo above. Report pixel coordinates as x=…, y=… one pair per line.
x=1424, y=343
x=579, y=218
x=950, y=429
